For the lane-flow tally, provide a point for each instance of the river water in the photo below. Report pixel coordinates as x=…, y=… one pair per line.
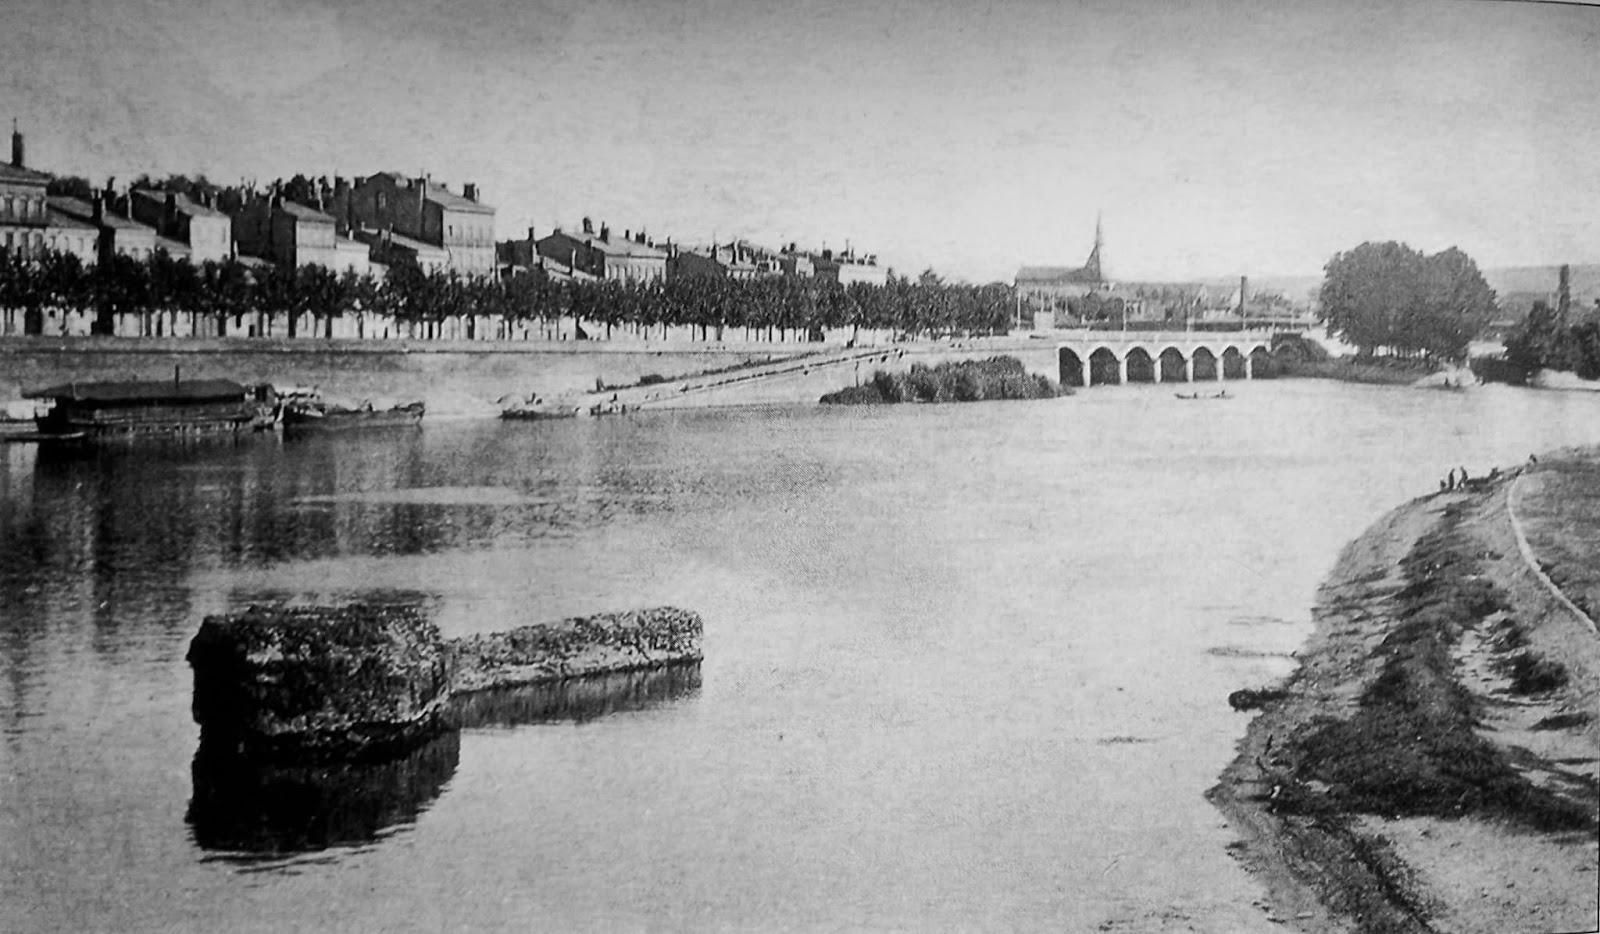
x=966, y=666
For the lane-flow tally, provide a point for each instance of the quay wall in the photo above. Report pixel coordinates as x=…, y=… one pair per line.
x=467, y=377
x=451, y=376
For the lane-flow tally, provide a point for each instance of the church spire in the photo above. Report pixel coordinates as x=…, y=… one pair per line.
x=1092, y=267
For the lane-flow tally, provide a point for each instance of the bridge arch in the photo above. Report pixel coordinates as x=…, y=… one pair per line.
x=1232, y=362
x=1260, y=362
x=1105, y=367
x=1171, y=365
x=1139, y=366
x=1205, y=363
x=1074, y=370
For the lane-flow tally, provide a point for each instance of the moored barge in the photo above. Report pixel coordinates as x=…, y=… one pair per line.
x=152, y=407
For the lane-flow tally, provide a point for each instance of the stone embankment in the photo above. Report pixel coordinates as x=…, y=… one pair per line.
x=1430, y=765
x=329, y=683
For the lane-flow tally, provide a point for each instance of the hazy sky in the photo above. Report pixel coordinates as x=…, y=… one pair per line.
x=1218, y=137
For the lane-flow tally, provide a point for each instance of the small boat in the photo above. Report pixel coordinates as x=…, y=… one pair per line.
x=325, y=417
x=1221, y=396
x=42, y=437
x=537, y=415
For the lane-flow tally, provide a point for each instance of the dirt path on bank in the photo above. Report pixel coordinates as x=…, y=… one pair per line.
x=1431, y=765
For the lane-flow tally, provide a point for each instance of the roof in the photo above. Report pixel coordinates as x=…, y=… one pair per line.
x=419, y=247
x=451, y=201
x=302, y=212
x=63, y=221
x=437, y=193
x=193, y=390
x=614, y=247
x=18, y=174
x=184, y=203
x=1063, y=274
x=84, y=211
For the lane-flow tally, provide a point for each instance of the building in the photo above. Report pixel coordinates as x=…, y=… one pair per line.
x=68, y=234
x=272, y=227
x=24, y=212
x=631, y=258
x=115, y=231
x=514, y=256
x=1045, y=290
x=205, y=231
x=421, y=211
x=796, y=264
x=388, y=248
x=846, y=268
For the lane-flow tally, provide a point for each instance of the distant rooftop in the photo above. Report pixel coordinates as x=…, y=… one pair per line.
x=16, y=174
x=302, y=212
x=84, y=211
x=184, y=203
x=438, y=194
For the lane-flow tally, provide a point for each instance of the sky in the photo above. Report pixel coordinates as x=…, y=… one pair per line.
x=1216, y=138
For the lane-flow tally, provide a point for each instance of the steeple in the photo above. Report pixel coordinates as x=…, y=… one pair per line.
x=1092, y=267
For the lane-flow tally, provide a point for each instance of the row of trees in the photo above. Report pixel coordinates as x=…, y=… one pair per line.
x=1389, y=297
x=230, y=294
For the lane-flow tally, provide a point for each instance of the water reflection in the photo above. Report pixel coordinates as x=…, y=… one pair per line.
x=254, y=812
x=580, y=699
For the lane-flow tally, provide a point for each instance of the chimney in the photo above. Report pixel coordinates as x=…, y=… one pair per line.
x=469, y=190
x=99, y=210
x=1564, y=293
x=531, y=238
x=16, y=144
x=605, y=233
x=588, y=226
x=640, y=237
x=169, y=217
x=1244, y=285
x=627, y=234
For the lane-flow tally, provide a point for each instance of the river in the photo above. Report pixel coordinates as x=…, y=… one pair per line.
x=966, y=666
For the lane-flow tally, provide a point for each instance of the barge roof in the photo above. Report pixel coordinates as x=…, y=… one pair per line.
x=193, y=390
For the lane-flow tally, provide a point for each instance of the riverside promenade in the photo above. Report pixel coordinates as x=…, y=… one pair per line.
x=1432, y=763
x=472, y=377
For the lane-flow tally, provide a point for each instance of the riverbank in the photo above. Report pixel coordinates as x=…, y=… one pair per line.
x=1430, y=766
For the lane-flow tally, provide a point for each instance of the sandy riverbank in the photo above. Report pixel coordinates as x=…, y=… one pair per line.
x=1432, y=763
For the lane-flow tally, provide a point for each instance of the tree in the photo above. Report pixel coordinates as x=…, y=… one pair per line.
x=70, y=186
x=1389, y=296
x=1539, y=342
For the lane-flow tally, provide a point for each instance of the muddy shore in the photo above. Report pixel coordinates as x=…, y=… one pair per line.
x=1431, y=764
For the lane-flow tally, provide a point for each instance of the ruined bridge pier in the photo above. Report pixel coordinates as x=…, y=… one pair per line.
x=1095, y=358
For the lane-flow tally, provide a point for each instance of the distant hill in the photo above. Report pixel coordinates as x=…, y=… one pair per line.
x=1517, y=287
x=1541, y=281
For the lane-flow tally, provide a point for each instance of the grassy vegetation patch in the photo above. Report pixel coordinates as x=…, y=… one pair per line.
x=1411, y=749
x=1564, y=721
x=956, y=381
x=1531, y=674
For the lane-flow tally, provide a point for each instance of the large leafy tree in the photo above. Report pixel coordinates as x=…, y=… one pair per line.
x=1388, y=296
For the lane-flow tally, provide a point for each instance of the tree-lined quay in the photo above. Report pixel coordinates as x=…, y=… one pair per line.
x=56, y=294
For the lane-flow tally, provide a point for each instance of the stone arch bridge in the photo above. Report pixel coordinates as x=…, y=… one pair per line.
x=1095, y=358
